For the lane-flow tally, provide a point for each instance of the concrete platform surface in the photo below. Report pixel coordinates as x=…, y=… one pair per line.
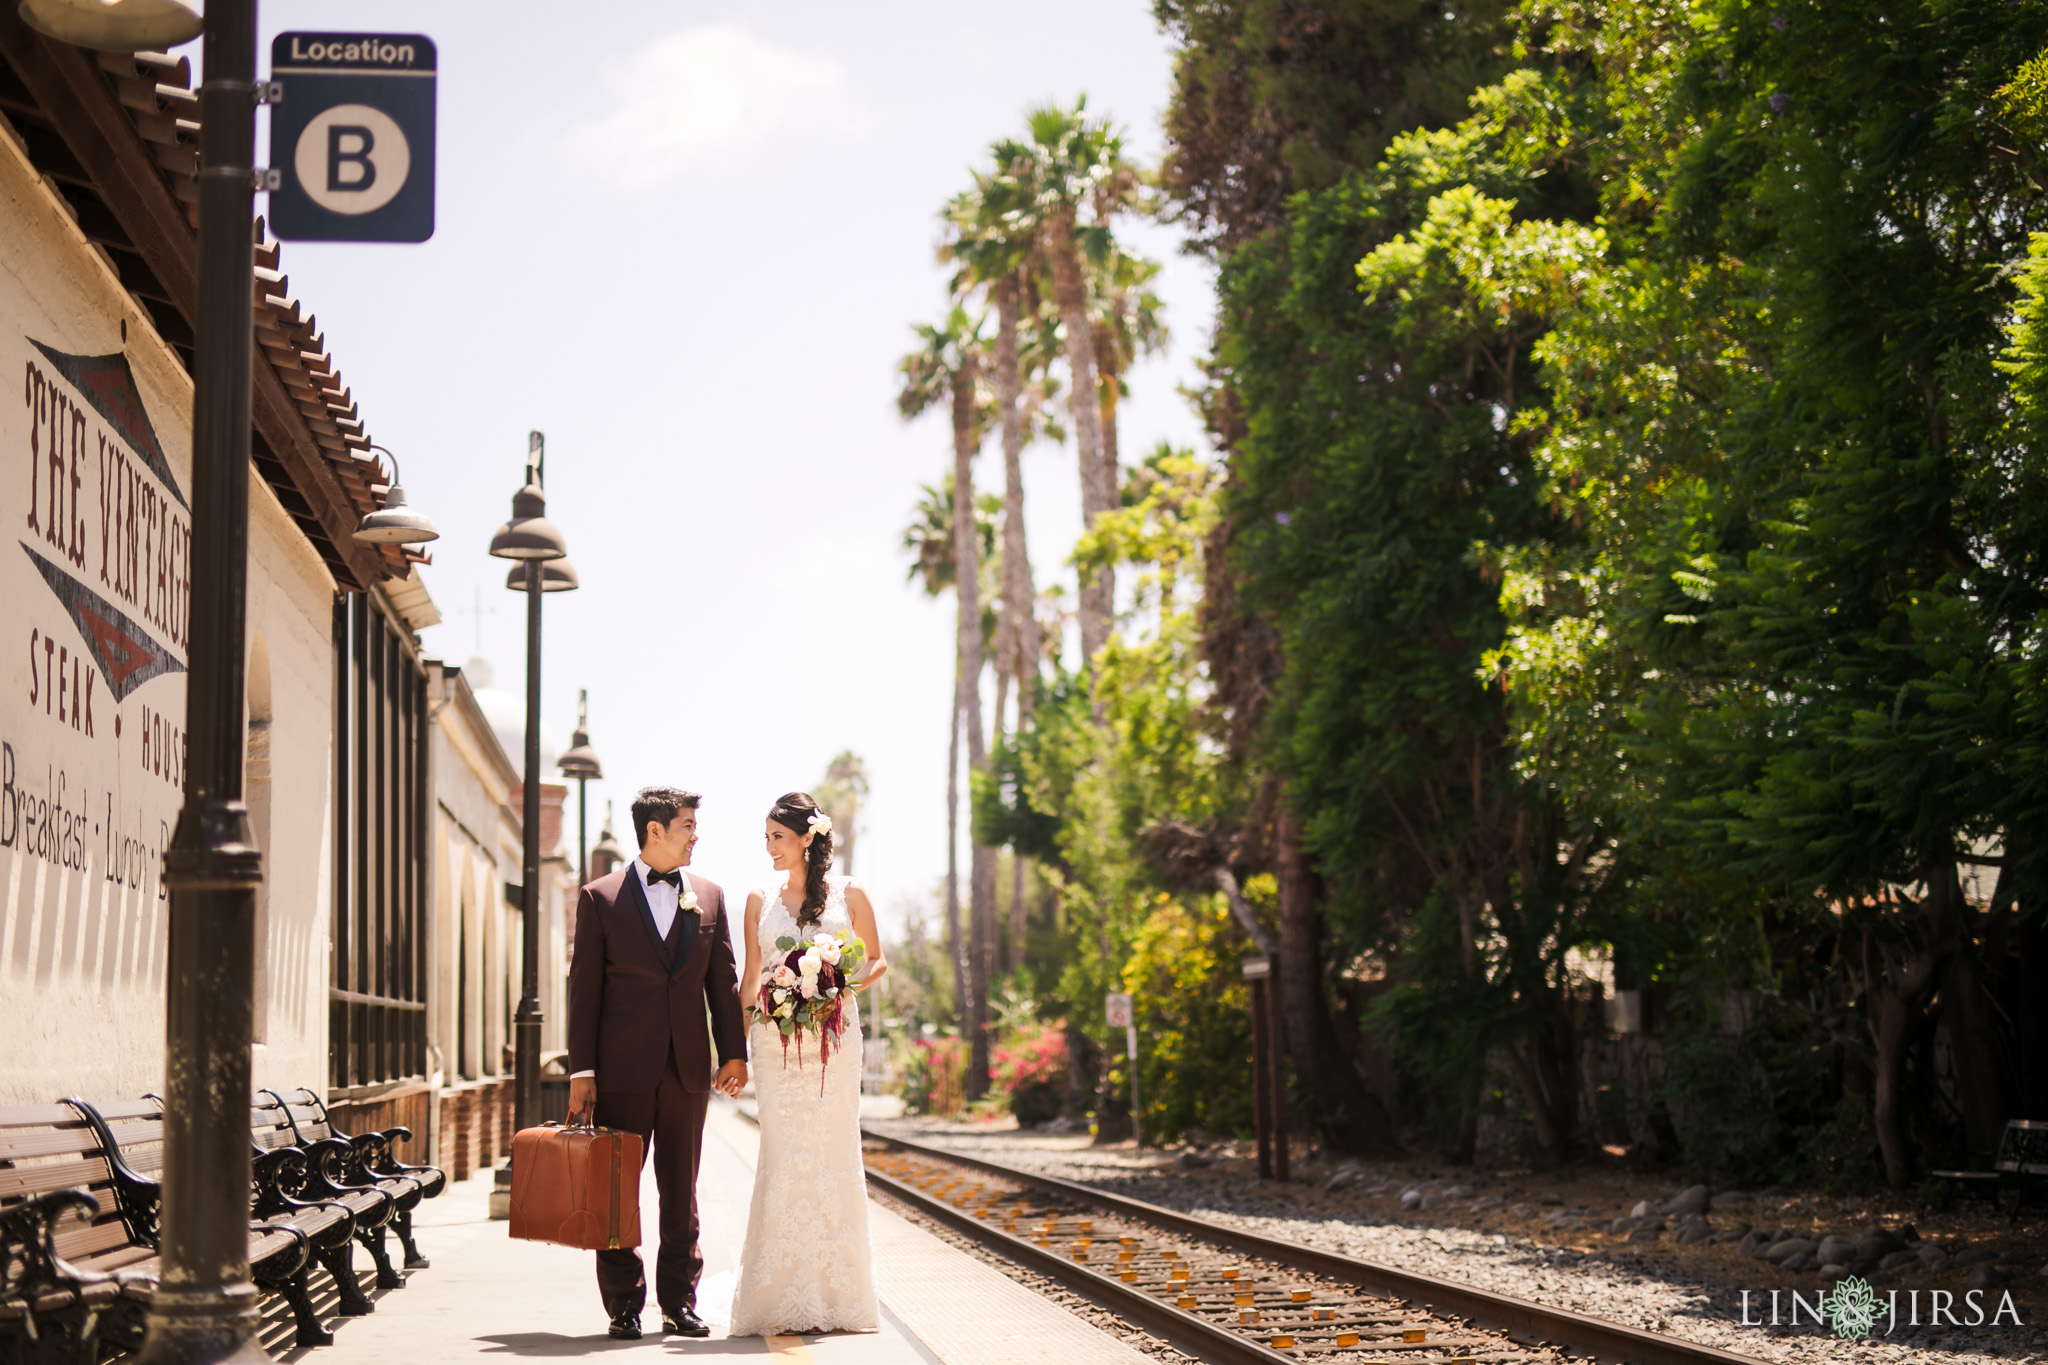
x=487, y=1296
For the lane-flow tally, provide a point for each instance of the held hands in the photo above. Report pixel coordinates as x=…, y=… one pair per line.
x=731, y=1079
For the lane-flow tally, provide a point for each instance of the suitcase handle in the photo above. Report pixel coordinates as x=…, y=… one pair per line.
x=576, y=1125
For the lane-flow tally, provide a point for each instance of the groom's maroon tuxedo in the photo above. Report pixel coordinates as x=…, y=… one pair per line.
x=636, y=1017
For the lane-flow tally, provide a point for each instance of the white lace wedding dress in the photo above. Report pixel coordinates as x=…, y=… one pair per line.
x=807, y=1265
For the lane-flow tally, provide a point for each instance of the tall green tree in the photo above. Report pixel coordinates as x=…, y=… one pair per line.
x=1272, y=98
x=1805, y=535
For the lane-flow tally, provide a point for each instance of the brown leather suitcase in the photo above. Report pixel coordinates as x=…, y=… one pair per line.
x=576, y=1187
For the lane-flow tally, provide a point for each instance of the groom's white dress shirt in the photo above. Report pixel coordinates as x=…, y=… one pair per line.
x=662, y=900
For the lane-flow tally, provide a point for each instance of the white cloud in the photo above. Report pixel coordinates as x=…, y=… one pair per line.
x=707, y=90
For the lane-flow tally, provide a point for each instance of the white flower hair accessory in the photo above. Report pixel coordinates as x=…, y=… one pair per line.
x=821, y=823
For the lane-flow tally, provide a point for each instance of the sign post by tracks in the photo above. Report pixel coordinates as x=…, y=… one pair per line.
x=1122, y=1014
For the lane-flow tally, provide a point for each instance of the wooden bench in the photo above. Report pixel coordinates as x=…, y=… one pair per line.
x=78, y=1264
x=132, y=1135
x=334, y=1170
x=2020, y=1164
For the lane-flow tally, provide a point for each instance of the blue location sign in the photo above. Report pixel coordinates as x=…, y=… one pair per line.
x=353, y=139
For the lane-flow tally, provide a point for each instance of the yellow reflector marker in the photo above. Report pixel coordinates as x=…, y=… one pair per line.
x=1247, y=1315
x=1413, y=1334
x=1129, y=1277
x=1283, y=1341
x=1347, y=1338
x=1185, y=1301
x=1301, y=1296
x=1324, y=1314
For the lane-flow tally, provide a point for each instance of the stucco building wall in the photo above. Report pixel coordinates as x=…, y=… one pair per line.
x=95, y=457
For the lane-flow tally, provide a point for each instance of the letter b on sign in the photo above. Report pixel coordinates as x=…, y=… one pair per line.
x=352, y=159
x=348, y=158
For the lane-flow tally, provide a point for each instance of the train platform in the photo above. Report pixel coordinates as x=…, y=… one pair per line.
x=489, y=1297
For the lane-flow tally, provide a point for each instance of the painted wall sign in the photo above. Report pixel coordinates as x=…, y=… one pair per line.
x=353, y=140
x=93, y=634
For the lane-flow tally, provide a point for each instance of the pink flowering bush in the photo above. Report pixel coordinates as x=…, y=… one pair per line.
x=1032, y=1069
x=934, y=1080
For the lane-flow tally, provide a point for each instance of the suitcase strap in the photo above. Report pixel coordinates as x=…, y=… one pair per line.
x=618, y=1180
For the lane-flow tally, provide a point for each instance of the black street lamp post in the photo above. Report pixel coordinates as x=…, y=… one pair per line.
x=205, y=1307
x=534, y=540
x=581, y=763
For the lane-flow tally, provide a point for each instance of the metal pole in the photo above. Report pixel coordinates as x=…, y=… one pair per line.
x=582, y=830
x=1262, y=1122
x=1276, y=1075
x=526, y=1023
x=205, y=1308
x=1131, y=1050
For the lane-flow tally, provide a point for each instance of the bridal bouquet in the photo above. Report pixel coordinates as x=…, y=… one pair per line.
x=806, y=991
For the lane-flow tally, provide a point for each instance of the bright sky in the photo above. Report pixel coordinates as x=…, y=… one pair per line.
x=687, y=241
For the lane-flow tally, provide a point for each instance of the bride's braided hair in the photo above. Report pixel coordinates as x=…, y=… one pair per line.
x=794, y=811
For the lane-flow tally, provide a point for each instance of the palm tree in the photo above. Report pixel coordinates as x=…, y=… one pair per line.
x=947, y=367
x=990, y=234
x=1077, y=164
x=1125, y=321
x=929, y=539
x=843, y=792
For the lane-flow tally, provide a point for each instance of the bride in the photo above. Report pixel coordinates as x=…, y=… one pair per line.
x=807, y=1265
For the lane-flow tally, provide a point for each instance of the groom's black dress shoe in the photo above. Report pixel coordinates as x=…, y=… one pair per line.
x=683, y=1322
x=626, y=1325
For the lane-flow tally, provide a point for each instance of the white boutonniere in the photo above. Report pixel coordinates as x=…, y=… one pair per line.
x=688, y=901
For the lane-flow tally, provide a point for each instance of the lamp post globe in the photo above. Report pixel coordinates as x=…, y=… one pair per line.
x=116, y=25
x=556, y=575
x=607, y=855
x=529, y=534
x=581, y=763
x=395, y=523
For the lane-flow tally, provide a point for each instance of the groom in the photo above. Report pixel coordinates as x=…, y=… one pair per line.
x=652, y=951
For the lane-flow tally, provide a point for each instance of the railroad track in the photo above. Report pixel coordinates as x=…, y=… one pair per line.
x=1228, y=1296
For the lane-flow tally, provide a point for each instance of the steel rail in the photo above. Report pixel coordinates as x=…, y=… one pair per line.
x=1498, y=1311
x=1196, y=1335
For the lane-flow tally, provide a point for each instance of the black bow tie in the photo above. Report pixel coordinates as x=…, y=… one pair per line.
x=673, y=878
